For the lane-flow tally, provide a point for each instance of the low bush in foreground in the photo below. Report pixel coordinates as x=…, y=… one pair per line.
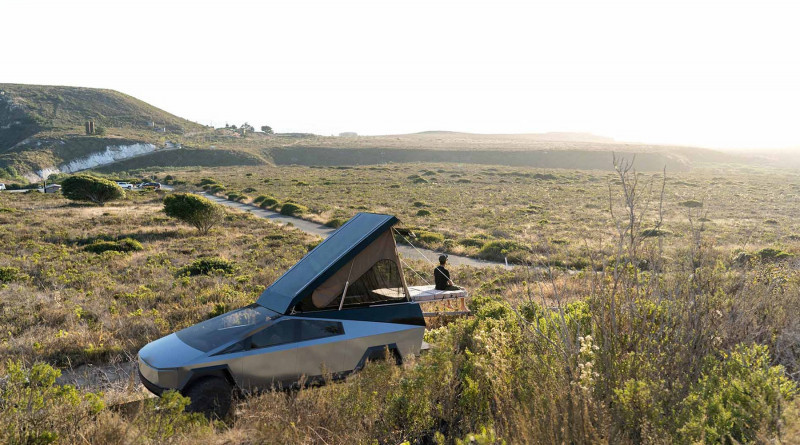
x=35, y=410
x=10, y=274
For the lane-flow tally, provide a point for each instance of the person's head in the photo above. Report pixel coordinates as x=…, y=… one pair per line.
x=442, y=259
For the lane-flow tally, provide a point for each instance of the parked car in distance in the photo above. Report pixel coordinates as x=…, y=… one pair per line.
x=2, y=186
x=150, y=185
x=125, y=185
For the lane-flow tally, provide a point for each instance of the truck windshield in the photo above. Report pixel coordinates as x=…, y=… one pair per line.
x=211, y=334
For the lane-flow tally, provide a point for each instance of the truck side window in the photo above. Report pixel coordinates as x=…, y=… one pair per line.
x=313, y=329
x=282, y=332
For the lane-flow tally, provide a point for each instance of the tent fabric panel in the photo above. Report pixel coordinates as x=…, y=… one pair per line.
x=324, y=260
x=383, y=248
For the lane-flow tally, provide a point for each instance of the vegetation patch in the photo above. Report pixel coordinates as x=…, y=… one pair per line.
x=500, y=249
x=268, y=202
x=237, y=197
x=429, y=237
x=124, y=245
x=692, y=204
x=293, y=209
x=91, y=189
x=772, y=254
x=335, y=222
x=655, y=232
x=206, y=181
x=472, y=242
x=192, y=209
x=209, y=266
x=10, y=274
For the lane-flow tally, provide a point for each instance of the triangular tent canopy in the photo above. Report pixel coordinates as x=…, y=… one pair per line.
x=360, y=258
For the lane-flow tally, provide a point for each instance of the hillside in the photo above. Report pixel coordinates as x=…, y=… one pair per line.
x=546, y=150
x=42, y=131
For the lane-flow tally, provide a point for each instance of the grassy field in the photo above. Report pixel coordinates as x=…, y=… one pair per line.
x=534, y=216
x=685, y=337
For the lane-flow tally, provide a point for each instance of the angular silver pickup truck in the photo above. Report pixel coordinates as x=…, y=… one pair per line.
x=344, y=303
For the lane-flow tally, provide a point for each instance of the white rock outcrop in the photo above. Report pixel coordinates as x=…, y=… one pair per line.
x=111, y=154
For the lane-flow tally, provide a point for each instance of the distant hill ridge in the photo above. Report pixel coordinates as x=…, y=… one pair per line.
x=42, y=132
x=42, y=129
x=563, y=136
x=60, y=108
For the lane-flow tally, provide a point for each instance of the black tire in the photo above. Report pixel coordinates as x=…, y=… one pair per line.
x=212, y=396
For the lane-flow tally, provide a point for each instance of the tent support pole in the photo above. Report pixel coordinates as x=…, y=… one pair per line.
x=341, y=303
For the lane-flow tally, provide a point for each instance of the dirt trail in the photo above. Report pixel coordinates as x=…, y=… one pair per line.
x=324, y=231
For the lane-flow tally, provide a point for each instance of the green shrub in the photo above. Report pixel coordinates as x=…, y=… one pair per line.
x=772, y=254
x=430, y=237
x=235, y=196
x=206, y=181
x=123, y=245
x=335, y=222
x=268, y=201
x=472, y=242
x=164, y=417
x=742, y=258
x=259, y=199
x=420, y=180
x=195, y=210
x=420, y=204
x=209, y=266
x=36, y=410
x=219, y=309
x=10, y=274
x=737, y=399
x=423, y=212
x=500, y=249
x=655, y=232
x=292, y=209
x=91, y=188
x=691, y=204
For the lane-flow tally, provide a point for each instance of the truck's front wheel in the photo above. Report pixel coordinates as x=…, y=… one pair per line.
x=212, y=396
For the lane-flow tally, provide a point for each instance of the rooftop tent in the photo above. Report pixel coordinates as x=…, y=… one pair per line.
x=361, y=255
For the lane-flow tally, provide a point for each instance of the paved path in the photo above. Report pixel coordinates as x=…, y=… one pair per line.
x=324, y=231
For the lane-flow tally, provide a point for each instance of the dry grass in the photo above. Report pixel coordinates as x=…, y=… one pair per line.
x=676, y=326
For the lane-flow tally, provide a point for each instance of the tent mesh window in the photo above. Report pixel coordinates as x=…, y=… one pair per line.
x=380, y=284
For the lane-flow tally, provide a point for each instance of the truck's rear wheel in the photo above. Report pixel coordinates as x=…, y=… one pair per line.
x=212, y=396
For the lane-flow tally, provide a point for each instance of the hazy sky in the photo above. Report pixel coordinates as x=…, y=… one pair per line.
x=711, y=73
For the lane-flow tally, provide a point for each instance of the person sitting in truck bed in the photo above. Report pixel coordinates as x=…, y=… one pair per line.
x=442, y=276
